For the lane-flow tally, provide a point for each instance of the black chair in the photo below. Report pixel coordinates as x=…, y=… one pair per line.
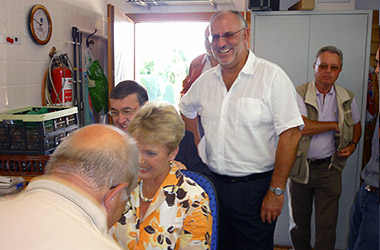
x=209, y=188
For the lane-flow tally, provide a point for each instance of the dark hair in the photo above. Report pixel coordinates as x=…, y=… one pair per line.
x=125, y=88
x=331, y=49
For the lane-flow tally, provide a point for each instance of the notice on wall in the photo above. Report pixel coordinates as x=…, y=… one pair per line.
x=334, y=4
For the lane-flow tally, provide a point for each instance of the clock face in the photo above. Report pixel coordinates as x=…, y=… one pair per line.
x=40, y=24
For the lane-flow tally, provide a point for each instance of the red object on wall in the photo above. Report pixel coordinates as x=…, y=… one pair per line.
x=62, y=81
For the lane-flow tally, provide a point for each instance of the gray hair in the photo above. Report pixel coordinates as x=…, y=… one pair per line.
x=243, y=23
x=331, y=49
x=99, y=155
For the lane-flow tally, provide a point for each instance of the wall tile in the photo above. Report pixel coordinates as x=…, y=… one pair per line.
x=15, y=4
x=32, y=73
x=16, y=22
x=4, y=52
x=16, y=52
x=31, y=49
x=18, y=96
x=33, y=100
x=5, y=93
x=5, y=73
x=17, y=72
x=4, y=17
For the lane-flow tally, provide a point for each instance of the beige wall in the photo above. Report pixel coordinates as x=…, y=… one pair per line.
x=22, y=66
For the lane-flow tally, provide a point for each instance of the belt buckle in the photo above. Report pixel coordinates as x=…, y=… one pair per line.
x=367, y=187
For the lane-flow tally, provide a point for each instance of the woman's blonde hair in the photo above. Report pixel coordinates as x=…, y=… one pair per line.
x=157, y=123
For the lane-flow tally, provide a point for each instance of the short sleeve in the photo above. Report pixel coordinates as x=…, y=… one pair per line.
x=355, y=111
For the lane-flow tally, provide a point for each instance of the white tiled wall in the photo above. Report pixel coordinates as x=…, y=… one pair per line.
x=22, y=66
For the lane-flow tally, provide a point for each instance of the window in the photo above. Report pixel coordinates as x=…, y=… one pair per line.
x=164, y=51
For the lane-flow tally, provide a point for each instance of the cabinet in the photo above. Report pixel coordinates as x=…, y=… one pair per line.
x=291, y=40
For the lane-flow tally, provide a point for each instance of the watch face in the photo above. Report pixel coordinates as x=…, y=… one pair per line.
x=277, y=190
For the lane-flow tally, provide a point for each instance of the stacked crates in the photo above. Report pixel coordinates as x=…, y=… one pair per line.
x=35, y=130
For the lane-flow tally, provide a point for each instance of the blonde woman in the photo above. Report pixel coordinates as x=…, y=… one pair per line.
x=167, y=210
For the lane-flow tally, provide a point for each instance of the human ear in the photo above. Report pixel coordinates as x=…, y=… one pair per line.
x=111, y=194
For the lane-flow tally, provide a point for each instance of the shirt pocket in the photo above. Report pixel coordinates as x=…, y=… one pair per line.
x=248, y=111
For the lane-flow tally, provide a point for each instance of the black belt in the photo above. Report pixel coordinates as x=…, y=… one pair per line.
x=372, y=189
x=319, y=161
x=251, y=177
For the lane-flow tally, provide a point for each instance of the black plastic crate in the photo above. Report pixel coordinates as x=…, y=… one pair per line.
x=35, y=134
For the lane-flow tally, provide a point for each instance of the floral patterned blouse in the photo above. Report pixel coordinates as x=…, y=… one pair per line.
x=179, y=217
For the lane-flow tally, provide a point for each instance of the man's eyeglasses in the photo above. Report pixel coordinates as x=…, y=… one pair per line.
x=227, y=37
x=125, y=112
x=325, y=67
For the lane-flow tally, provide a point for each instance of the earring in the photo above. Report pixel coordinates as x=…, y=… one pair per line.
x=171, y=164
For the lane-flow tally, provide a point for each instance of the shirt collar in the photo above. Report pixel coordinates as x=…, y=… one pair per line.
x=82, y=202
x=332, y=90
x=247, y=68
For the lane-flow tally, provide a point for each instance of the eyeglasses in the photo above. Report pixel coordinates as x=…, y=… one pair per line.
x=227, y=37
x=325, y=67
x=125, y=112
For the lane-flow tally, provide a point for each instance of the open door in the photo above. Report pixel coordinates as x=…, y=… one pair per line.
x=121, y=49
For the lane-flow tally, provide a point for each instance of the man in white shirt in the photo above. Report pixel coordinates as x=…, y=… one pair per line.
x=86, y=184
x=251, y=131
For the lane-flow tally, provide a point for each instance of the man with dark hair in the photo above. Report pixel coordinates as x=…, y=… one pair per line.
x=127, y=98
x=250, y=118
x=332, y=131
x=83, y=192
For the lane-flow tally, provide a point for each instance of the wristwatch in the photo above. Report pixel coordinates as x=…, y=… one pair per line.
x=277, y=190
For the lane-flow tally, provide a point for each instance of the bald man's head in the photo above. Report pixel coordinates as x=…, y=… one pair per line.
x=101, y=154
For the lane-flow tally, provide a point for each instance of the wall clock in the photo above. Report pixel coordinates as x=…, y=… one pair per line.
x=40, y=24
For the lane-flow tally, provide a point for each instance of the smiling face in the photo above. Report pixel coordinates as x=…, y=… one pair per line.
x=231, y=53
x=124, y=110
x=154, y=161
x=326, y=70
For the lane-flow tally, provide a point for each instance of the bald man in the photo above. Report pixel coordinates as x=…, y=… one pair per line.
x=86, y=184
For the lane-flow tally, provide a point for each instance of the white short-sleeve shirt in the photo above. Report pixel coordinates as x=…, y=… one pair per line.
x=242, y=125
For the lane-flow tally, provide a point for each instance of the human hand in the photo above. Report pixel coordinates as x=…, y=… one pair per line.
x=347, y=151
x=180, y=165
x=271, y=207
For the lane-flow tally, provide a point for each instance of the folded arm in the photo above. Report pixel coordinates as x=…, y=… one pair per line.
x=316, y=127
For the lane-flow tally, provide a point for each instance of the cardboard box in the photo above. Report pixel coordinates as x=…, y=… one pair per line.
x=303, y=5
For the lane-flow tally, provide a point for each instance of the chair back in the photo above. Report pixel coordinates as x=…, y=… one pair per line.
x=209, y=188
